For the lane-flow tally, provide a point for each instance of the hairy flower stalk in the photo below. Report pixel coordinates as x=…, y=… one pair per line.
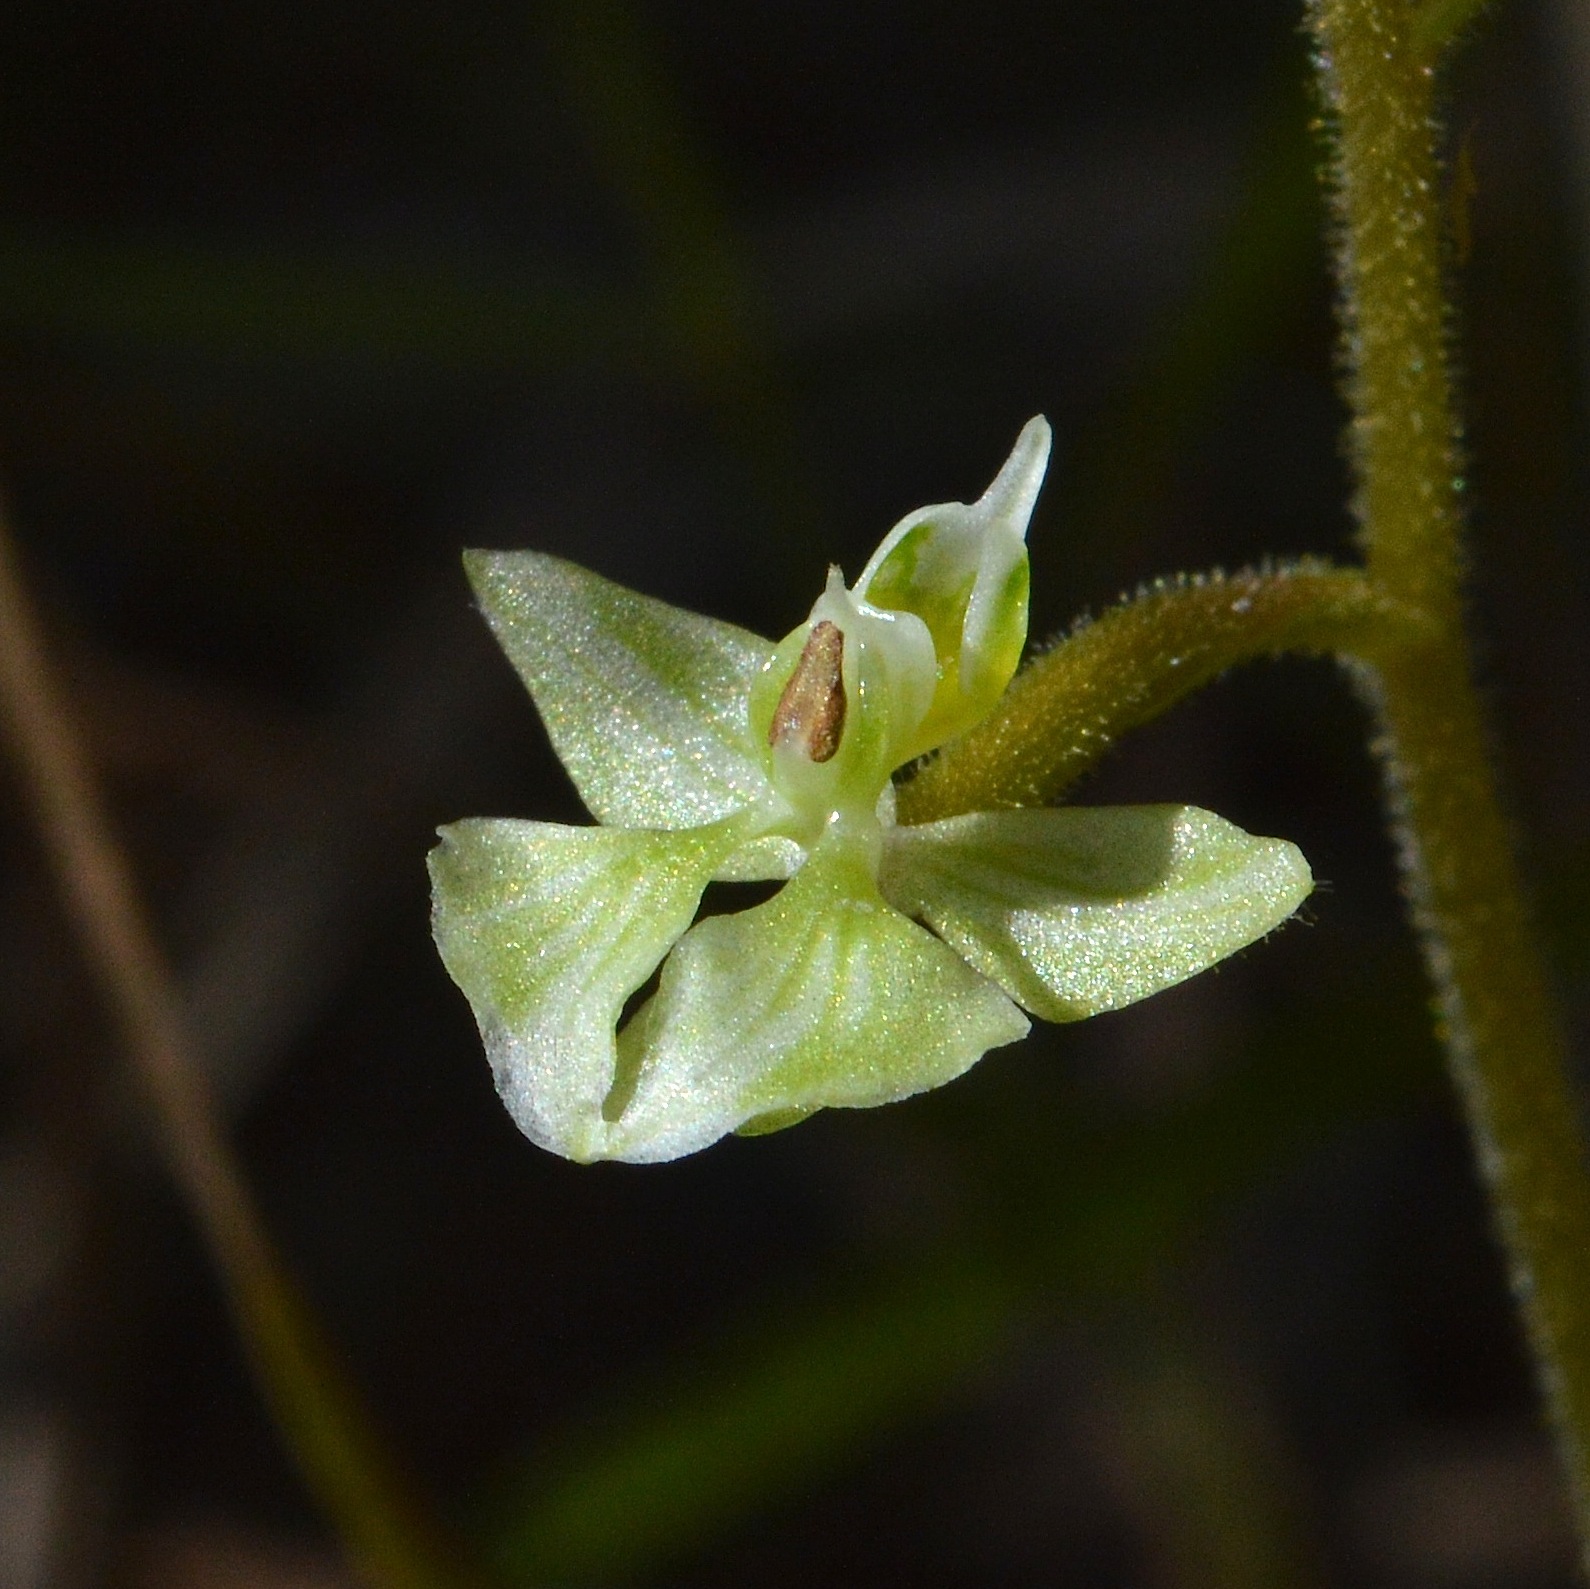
x=894, y=956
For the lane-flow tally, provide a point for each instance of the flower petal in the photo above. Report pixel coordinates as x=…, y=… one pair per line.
x=962, y=568
x=884, y=684
x=548, y=930
x=1075, y=911
x=824, y=997
x=645, y=703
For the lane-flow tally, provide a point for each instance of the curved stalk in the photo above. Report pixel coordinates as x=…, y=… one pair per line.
x=1400, y=622
x=1068, y=706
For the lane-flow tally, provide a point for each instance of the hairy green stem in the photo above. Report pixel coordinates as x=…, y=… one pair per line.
x=1507, y=1055
x=1067, y=707
x=1400, y=622
x=1070, y=705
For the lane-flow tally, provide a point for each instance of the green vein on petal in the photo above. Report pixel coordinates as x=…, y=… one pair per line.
x=1075, y=911
x=645, y=703
x=548, y=930
x=824, y=997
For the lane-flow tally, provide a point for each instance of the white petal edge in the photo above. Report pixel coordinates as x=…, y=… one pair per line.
x=1080, y=910
x=548, y=930
x=645, y=703
x=1008, y=504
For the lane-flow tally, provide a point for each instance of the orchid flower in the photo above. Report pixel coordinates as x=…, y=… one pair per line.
x=894, y=956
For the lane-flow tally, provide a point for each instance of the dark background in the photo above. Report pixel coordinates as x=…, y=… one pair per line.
x=297, y=302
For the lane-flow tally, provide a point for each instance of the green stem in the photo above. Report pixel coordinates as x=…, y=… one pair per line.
x=1401, y=622
x=1067, y=707
x=1496, y=1015
x=1070, y=705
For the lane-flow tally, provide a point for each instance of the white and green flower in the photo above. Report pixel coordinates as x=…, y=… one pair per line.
x=893, y=957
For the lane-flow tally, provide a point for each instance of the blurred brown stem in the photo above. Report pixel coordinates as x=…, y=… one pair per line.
x=386, y=1535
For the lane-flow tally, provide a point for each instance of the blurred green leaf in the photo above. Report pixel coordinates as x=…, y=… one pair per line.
x=1207, y=1475
x=790, y=1397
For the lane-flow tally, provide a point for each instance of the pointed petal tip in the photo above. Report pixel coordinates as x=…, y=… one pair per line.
x=477, y=561
x=1014, y=492
x=1036, y=433
x=1295, y=877
x=445, y=850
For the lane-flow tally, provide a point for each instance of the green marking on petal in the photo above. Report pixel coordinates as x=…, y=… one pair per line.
x=548, y=930
x=645, y=703
x=824, y=997
x=776, y=1120
x=962, y=568
x=1076, y=911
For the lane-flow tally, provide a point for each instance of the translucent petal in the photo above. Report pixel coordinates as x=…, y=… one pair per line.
x=962, y=568
x=765, y=859
x=645, y=703
x=1076, y=911
x=770, y=857
x=887, y=676
x=548, y=930
x=824, y=997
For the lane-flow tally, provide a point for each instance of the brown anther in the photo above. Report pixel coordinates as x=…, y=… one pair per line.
x=811, y=712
